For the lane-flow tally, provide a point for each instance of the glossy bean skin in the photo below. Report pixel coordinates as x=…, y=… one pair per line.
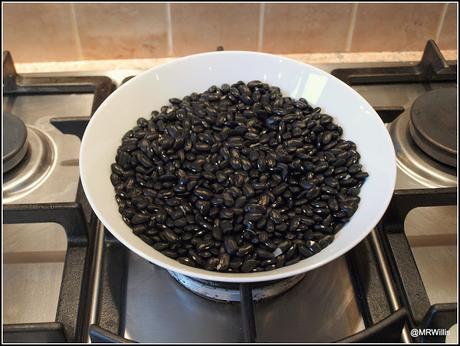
x=237, y=178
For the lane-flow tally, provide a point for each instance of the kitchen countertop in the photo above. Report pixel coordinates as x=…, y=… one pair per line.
x=316, y=58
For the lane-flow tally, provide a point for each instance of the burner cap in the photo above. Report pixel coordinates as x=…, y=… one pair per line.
x=14, y=141
x=230, y=291
x=433, y=124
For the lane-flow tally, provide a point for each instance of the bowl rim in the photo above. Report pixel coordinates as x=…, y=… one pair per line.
x=225, y=276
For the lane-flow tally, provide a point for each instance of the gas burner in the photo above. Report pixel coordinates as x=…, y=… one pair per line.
x=38, y=160
x=433, y=124
x=414, y=161
x=230, y=292
x=14, y=141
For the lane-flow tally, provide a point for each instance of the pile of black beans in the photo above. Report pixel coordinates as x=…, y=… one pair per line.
x=237, y=179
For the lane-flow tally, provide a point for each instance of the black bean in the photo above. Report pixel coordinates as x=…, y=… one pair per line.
x=226, y=226
x=139, y=229
x=347, y=207
x=160, y=246
x=224, y=262
x=203, y=246
x=293, y=261
x=212, y=263
x=262, y=253
x=318, y=204
x=254, y=84
x=248, y=190
x=245, y=249
x=278, y=190
x=328, y=190
x=305, y=251
x=291, y=251
x=255, y=208
x=280, y=261
x=226, y=213
x=325, y=241
x=282, y=227
x=320, y=167
x=294, y=224
x=169, y=235
x=361, y=175
x=353, y=169
x=230, y=245
x=240, y=202
x=217, y=233
x=249, y=264
x=340, y=170
x=307, y=221
x=338, y=227
x=284, y=245
x=295, y=143
x=203, y=206
x=348, y=181
x=203, y=193
x=140, y=218
x=180, y=222
x=187, y=261
x=313, y=193
x=263, y=237
x=270, y=245
x=339, y=162
x=268, y=262
x=115, y=179
x=196, y=258
x=169, y=253
x=253, y=216
x=202, y=147
x=117, y=169
x=235, y=262
x=326, y=138
x=353, y=191
x=275, y=216
x=312, y=247
x=325, y=119
x=333, y=204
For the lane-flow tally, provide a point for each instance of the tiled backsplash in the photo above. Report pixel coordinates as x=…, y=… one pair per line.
x=75, y=31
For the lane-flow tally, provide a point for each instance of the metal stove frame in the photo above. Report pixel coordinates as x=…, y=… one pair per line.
x=387, y=283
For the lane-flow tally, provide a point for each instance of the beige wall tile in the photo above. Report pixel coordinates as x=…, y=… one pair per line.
x=36, y=32
x=199, y=28
x=448, y=36
x=122, y=31
x=395, y=27
x=39, y=32
x=305, y=28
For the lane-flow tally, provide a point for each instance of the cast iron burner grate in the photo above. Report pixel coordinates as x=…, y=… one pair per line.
x=76, y=218
x=96, y=263
x=382, y=323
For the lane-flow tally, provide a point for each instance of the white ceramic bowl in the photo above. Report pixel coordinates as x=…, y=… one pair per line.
x=152, y=89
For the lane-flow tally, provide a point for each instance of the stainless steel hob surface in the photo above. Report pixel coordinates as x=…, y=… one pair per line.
x=322, y=307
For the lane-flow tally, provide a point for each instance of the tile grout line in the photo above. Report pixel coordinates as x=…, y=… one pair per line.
x=351, y=29
x=441, y=22
x=143, y=63
x=260, y=43
x=74, y=25
x=169, y=29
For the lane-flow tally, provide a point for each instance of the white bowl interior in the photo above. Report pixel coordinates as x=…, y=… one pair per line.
x=152, y=89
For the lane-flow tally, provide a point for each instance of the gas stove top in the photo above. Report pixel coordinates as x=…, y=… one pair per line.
x=67, y=279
